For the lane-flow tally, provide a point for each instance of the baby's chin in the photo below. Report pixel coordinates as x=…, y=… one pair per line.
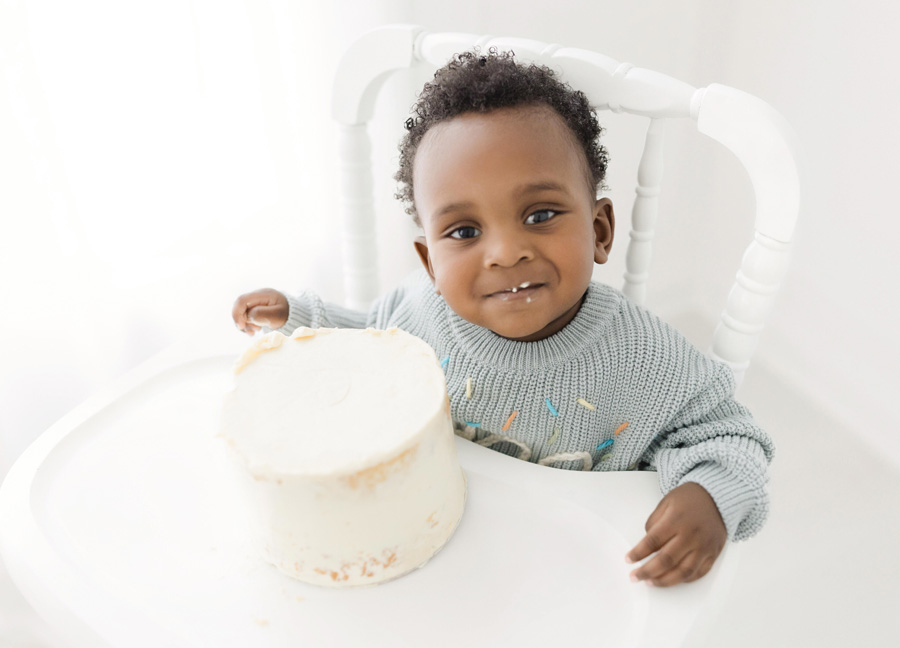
x=521, y=330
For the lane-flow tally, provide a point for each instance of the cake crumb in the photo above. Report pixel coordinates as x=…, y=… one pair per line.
x=262, y=622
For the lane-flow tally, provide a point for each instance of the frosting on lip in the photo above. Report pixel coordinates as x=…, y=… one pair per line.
x=524, y=290
x=515, y=289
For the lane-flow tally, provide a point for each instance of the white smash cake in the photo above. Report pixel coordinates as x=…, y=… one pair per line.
x=344, y=447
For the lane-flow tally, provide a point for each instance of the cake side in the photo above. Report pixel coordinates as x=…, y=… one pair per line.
x=366, y=527
x=391, y=504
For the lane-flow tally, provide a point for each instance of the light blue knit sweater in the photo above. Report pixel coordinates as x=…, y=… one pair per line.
x=616, y=389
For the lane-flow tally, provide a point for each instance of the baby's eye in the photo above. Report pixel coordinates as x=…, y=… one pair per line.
x=465, y=233
x=540, y=216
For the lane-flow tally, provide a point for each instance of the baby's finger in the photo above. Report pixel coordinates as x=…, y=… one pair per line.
x=239, y=310
x=243, y=324
x=657, y=536
x=684, y=572
x=238, y=313
x=667, y=558
x=263, y=315
x=657, y=514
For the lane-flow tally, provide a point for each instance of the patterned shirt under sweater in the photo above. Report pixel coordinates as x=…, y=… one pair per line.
x=616, y=389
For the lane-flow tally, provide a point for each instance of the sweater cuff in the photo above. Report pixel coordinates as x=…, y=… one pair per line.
x=734, y=500
x=299, y=314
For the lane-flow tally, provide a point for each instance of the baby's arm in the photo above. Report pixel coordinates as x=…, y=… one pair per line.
x=285, y=313
x=713, y=468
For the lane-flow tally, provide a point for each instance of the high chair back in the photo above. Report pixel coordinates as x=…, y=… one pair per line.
x=751, y=129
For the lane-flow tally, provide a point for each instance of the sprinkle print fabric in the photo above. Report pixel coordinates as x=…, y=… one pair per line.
x=616, y=389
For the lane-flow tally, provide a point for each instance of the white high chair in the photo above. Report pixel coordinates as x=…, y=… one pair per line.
x=117, y=524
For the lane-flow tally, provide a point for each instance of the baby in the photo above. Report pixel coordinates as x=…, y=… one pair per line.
x=501, y=168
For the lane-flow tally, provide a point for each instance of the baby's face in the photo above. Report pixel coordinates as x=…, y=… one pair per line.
x=512, y=228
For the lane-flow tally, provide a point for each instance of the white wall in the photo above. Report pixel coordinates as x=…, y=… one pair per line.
x=158, y=159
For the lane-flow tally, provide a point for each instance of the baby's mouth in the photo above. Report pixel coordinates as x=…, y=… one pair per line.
x=523, y=290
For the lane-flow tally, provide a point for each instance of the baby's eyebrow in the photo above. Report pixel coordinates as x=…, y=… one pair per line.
x=535, y=187
x=459, y=206
x=454, y=207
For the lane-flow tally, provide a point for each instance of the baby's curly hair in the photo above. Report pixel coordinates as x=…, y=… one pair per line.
x=475, y=82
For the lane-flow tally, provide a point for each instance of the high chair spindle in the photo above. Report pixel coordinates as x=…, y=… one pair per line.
x=643, y=214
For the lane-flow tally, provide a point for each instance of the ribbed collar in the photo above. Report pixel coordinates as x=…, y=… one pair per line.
x=486, y=348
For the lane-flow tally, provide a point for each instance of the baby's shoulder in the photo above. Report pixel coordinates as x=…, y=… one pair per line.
x=412, y=299
x=627, y=316
x=635, y=331
x=621, y=316
x=416, y=288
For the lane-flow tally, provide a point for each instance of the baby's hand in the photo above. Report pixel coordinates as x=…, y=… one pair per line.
x=266, y=307
x=687, y=534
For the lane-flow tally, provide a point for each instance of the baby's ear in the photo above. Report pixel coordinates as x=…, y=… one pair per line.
x=604, y=229
x=424, y=257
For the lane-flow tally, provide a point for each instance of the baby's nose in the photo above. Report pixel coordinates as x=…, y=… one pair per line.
x=506, y=250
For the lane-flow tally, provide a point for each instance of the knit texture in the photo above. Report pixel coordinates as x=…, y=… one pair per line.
x=616, y=389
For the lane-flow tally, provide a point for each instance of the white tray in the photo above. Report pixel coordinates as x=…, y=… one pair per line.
x=118, y=526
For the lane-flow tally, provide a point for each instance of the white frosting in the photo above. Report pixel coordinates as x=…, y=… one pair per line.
x=344, y=449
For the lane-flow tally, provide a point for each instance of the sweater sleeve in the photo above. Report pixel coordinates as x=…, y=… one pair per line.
x=714, y=441
x=308, y=309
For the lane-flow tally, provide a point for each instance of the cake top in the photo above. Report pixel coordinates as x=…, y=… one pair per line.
x=329, y=401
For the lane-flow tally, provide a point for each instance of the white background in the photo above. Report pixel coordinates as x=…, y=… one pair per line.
x=159, y=158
